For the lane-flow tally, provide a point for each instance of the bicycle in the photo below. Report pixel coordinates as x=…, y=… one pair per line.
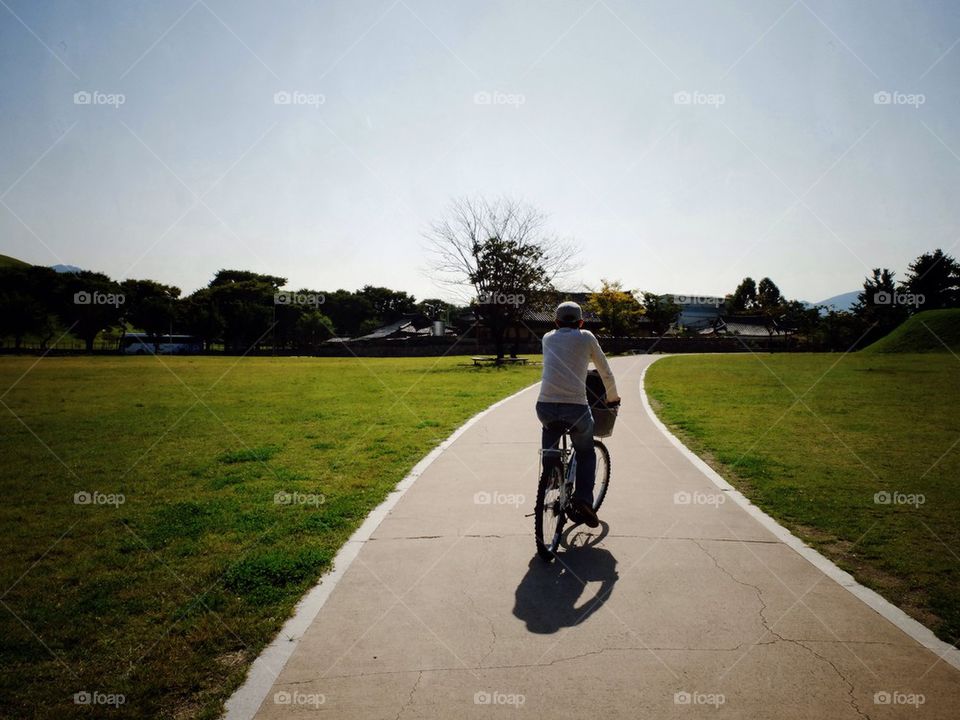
x=558, y=472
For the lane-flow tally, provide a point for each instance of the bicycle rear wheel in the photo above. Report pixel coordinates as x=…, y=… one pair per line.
x=549, y=516
x=603, y=474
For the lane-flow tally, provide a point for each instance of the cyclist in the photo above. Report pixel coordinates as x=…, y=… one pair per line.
x=567, y=351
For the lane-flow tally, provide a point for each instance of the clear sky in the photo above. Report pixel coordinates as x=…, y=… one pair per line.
x=782, y=163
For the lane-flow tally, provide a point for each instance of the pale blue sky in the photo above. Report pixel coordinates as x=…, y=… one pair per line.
x=798, y=174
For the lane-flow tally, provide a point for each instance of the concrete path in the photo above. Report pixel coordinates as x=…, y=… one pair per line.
x=679, y=610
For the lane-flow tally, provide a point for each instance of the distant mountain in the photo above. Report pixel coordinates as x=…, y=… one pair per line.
x=66, y=268
x=844, y=301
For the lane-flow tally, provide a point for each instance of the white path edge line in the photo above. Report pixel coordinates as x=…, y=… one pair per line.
x=247, y=699
x=884, y=607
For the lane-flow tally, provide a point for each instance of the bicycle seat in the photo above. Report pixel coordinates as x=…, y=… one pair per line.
x=558, y=425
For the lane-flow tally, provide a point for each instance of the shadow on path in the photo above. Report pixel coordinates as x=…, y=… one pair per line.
x=547, y=596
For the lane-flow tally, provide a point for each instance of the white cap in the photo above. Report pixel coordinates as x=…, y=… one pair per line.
x=569, y=312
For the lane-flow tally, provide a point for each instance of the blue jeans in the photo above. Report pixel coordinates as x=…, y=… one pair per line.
x=580, y=420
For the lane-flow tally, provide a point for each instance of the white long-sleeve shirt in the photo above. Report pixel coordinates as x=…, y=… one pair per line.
x=567, y=353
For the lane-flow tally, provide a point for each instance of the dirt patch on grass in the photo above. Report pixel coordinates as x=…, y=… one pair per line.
x=843, y=553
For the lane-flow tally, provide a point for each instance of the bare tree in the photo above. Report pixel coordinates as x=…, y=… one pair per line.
x=502, y=252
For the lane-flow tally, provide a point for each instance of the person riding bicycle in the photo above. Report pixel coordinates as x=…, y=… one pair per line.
x=567, y=351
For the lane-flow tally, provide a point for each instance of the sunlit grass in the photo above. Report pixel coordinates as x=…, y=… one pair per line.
x=167, y=597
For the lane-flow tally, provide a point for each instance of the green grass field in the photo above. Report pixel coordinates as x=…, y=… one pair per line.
x=169, y=596
x=812, y=438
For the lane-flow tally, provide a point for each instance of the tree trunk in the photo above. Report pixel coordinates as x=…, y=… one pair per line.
x=500, y=344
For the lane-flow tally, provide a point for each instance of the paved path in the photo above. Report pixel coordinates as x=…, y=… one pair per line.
x=446, y=613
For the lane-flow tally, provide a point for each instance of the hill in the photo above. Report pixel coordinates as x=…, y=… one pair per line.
x=7, y=261
x=927, y=331
x=843, y=301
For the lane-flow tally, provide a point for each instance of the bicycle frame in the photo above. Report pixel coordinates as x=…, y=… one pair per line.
x=553, y=506
x=568, y=467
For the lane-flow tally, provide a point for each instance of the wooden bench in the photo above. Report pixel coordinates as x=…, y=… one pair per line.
x=480, y=360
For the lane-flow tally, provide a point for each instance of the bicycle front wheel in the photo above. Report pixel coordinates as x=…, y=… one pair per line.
x=549, y=515
x=603, y=474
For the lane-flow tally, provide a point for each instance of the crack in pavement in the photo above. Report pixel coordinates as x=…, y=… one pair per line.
x=410, y=697
x=799, y=643
x=493, y=630
x=850, y=688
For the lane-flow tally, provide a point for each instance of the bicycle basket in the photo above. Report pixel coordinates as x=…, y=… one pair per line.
x=604, y=416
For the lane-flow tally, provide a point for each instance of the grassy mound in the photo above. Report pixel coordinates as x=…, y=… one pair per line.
x=7, y=261
x=928, y=331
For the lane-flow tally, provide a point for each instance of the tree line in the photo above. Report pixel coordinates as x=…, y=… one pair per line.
x=932, y=282
x=238, y=308
x=498, y=251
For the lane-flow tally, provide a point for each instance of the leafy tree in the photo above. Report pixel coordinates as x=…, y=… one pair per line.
x=501, y=250
x=769, y=299
x=90, y=302
x=312, y=328
x=437, y=309
x=805, y=322
x=744, y=299
x=876, y=304
x=150, y=306
x=246, y=301
x=840, y=331
x=617, y=308
x=661, y=311
x=348, y=311
x=198, y=316
x=389, y=305
x=936, y=278
x=28, y=302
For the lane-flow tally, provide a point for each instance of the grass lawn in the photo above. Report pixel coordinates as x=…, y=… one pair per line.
x=169, y=596
x=865, y=424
